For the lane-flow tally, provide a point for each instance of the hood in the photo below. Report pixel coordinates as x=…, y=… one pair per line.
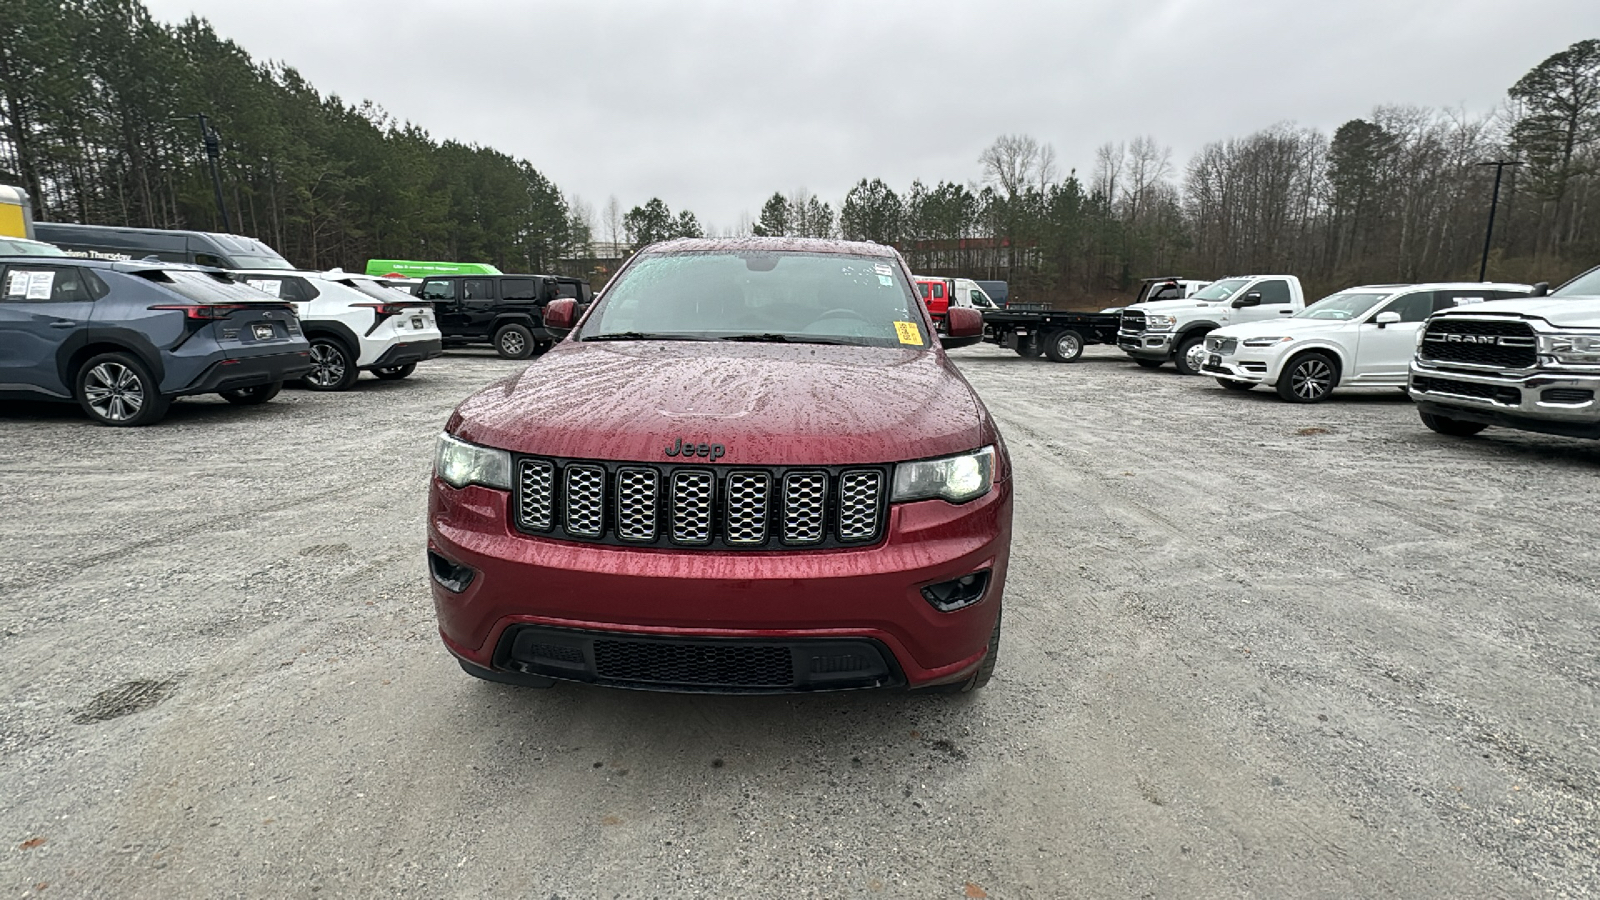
x=1563, y=312
x=1284, y=325
x=766, y=404
x=1166, y=307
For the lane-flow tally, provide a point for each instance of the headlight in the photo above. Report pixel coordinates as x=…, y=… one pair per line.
x=1572, y=349
x=954, y=478
x=458, y=464
x=1265, y=341
x=1159, y=323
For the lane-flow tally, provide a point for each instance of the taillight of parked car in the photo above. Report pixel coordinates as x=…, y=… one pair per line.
x=385, y=311
x=209, y=312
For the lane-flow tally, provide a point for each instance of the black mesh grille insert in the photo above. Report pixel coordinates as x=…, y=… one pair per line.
x=1507, y=395
x=739, y=665
x=1507, y=344
x=1133, y=321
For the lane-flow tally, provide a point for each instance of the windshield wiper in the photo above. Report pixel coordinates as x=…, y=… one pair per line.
x=773, y=337
x=641, y=336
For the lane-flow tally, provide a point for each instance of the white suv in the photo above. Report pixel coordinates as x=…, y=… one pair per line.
x=354, y=323
x=1361, y=336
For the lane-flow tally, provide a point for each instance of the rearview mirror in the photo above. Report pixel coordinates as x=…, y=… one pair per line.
x=559, y=315
x=1251, y=299
x=1542, y=289
x=1387, y=318
x=963, y=322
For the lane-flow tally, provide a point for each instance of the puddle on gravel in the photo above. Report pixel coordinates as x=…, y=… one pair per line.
x=124, y=699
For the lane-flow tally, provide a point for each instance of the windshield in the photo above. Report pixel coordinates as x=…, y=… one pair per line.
x=1221, y=290
x=821, y=298
x=378, y=289
x=1339, y=307
x=25, y=247
x=259, y=262
x=1585, y=285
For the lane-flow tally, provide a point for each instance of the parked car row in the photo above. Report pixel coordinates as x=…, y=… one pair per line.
x=124, y=339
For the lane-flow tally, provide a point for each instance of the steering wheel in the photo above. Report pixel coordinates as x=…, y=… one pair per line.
x=842, y=312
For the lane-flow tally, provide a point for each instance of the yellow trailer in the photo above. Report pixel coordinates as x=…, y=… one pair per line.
x=16, y=213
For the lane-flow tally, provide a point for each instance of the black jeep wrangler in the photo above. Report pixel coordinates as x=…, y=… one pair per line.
x=504, y=310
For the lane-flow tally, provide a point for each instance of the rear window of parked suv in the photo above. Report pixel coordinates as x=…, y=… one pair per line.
x=797, y=297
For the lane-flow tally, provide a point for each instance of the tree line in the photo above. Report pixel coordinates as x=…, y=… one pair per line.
x=92, y=99
x=96, y=104
x=1402, y=195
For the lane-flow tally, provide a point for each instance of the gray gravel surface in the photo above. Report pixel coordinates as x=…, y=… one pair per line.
x=1251, y=650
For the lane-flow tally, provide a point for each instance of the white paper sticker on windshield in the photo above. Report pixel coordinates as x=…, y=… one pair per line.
x=882, y=269
x=266, y=285
x=1463, y=301
x=39, y=285
x=16, y=283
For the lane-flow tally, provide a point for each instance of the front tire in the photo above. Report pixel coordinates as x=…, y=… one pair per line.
x=116, y=389
x=513, y=342
x=332, y=366
x=1191, y=355
x=395, y=373
x=1449, y=426
x=252, y=396
x=1308, y=378
x=1064, y=346
x=1148, y=363
x=1232, y=385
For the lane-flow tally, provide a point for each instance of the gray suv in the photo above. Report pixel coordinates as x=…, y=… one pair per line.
x=123, y=340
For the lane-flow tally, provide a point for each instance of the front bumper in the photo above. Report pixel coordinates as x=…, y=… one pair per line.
x=1241, y=367
x=815, y=600
x=408, y=353
x=250, y=371
x=1146, y=344
x=1543, y=401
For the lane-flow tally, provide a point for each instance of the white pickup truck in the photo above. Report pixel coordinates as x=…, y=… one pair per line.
x=1155, y=332
x=1531, y=364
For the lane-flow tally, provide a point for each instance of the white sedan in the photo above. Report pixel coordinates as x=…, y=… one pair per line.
x=1362, y=336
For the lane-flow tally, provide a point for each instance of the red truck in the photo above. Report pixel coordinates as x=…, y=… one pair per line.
x=750, y=468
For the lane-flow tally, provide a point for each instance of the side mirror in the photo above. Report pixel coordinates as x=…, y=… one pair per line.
x=1251, y=299
x=1387, y=318
x=1542, y=289
x=961, y=321
x=560, y=315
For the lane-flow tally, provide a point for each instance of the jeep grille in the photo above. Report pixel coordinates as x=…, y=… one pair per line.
x=688, y=506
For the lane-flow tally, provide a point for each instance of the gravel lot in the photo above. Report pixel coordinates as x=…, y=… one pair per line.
x=1251, y=650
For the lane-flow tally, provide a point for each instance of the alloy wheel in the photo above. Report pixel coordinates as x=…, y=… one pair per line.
x=1312, y=379
x=1196, y=356
x=114, y=391
x=511, y=343
x=327, y=365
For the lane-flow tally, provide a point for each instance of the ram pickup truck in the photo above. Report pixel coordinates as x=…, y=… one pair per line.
x=1532, y=365
x=1155, y=332
x=750, y=468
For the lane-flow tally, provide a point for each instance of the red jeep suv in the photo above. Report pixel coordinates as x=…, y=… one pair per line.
x=750, y=468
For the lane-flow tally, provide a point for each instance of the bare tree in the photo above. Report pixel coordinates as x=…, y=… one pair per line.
x=1016, y=162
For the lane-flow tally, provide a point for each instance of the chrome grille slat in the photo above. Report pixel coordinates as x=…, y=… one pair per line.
x=586, y=500
x=692, y=495
x=536, y=494
x=859, y=492
x=636, y=503
x=805, y=496
x=747, y=506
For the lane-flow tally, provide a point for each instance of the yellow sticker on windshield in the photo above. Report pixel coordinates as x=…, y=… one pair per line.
x=909, y=333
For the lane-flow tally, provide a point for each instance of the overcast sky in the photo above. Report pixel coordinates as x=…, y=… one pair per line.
x=713, y=105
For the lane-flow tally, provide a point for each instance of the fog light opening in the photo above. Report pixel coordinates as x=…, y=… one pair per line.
x=949, y=596
x=452, y=576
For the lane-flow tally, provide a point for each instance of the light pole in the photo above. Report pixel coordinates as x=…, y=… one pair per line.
x=1488, y=234
x=213, y=145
